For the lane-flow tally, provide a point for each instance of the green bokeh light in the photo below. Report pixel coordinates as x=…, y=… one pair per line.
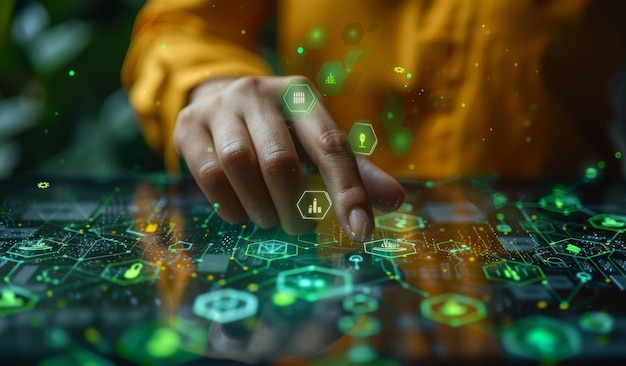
x=401, y=142
x=164, y=343
x=283, y=299
x=300, y=50
x=72, y=73
x=591, y=173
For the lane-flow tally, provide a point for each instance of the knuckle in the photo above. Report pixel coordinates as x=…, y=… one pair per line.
x=210, y=173
x=237, y=157
x=332, y=142
x=280, y=160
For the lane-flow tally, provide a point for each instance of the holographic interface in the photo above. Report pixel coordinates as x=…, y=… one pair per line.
x=113, y=271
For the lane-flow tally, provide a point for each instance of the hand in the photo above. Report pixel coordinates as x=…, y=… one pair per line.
x=243, y=156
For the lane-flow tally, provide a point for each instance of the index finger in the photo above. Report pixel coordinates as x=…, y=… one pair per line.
x=327, y=147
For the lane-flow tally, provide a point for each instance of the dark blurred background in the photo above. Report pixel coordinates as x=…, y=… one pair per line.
x=62, y=107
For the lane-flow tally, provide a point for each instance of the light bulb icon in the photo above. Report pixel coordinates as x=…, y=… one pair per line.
x=362, y=140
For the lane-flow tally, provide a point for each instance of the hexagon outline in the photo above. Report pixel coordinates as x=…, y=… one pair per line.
x=419, y=222
x=345, y=36
x=370, y=249
x=138, y=279
x=273, y=241
x=325, y=211
x=339, y=77
x=574, y=204
x=15, y=248
x=250, y=308
x=311, y=104
x=538, y=270
x=606, y=250
x=371, y=150
x=29, y=305
x=592, y=220
x=282, y=286
x=427, y=304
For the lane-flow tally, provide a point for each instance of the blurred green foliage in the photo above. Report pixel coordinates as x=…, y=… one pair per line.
x=62, y=108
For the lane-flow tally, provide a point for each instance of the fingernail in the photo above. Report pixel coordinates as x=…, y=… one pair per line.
x=360, y=224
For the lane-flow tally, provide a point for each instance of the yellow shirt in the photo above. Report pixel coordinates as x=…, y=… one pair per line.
x=451, y=87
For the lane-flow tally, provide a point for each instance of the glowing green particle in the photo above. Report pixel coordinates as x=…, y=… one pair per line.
x=360, y=354
x=216, y=205
x=500, y=216
x=164, y=343
x=601, y=164
x=618, y=155
x=429, y=184
x=389, y=115
x=163, y=46
x=305, y=282
x=408, y=76
x=591, y=173
x=283, y=299
x=72, y=73
x=300, y=50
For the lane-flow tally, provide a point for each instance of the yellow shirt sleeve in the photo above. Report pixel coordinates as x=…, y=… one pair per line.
x=178, y=44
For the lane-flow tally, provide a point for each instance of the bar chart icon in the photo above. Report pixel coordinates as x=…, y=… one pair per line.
x=314, y=208
x=314, y=205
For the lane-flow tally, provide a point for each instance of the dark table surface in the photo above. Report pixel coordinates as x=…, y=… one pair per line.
x=142, y=270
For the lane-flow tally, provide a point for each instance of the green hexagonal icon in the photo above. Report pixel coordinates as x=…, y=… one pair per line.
x=130, y=271
x=399, y=222
x=331, y=77
x=298, y=100
x=584, y=248
x=14, y=300
x=543, y=339
x=362, y=138
x=271, y=250
x=352, y=34
x=225, y=306
x=389, y=248
x=610, y=222
x=513, y=273
x=316, y=36
x=31, y=248
x=453, y=309
x=313, y=283
x=560, y=203
x=314, y=205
